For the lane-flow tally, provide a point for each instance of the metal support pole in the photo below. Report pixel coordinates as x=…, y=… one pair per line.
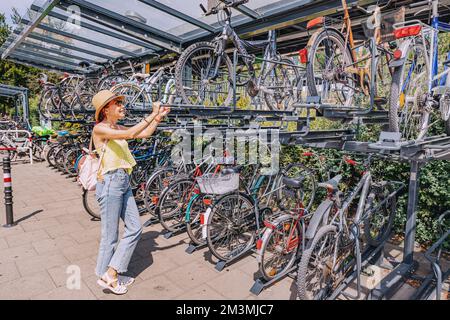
x=8, y=193
x=235, y=57
x=411, y=215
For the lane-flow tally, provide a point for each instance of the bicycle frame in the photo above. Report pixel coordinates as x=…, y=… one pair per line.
x=229, y=33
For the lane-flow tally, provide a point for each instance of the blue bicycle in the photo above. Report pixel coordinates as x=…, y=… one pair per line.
x=420, y=83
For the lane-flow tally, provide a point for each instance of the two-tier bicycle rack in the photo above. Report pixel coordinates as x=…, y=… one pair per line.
x=416, y=153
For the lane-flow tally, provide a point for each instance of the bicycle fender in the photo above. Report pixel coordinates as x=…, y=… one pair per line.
x=317, y=217
x=404, y=49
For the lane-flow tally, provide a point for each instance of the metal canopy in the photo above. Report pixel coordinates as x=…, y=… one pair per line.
x=60, y=34
x=19, y=94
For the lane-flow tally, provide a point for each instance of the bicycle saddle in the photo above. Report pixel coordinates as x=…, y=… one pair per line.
x=231, y=170
x=332, y=183
x=296, y=183
x=84, y=64
x=256, y=44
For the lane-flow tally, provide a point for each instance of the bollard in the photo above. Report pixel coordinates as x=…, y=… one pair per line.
x=7, y=183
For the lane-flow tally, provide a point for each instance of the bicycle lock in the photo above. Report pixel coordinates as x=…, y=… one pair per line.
x=7, y=183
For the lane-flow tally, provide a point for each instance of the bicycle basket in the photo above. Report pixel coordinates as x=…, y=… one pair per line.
x=211, y=183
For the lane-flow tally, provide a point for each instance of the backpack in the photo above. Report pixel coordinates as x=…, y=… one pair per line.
x=89, y=168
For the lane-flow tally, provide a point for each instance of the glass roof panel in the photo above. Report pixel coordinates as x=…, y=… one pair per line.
x=160, y=20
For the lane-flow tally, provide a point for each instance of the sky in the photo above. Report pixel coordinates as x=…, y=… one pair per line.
x=20, y=5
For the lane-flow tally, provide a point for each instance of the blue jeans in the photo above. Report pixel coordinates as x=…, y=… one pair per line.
x=117, y=202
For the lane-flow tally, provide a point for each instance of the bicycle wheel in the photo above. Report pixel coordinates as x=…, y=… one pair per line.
x=378, y=225
x=51, y=155
x=70, y=159
x=194, y=80
x=280, y=83
x=135, y=97
x=231, y=226
x=90, y=204
x=196, y=207
x=154, y=187
x=315, y=274
x=67, y=89
x=59, y=159
x=407, y=111
x=84, y=92
x=280, y=246
x=110, y=81
x=326, y=73
x=173, y=202
x=45, y=105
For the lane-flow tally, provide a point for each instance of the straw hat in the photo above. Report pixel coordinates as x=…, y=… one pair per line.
x=102, y=98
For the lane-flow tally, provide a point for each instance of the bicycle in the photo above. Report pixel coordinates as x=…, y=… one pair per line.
x=368, y=210
x=204, y=72
x=338, y=69
x=419, y=87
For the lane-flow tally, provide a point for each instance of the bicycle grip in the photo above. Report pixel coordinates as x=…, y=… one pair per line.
x=203, y=8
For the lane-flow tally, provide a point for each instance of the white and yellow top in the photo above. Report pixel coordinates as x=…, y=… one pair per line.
x=117, y=156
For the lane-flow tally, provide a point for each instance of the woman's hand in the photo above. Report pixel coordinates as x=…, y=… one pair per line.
x=156, y=107
x=163, y=111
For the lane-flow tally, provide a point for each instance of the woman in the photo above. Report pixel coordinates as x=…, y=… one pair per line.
x=113, y=188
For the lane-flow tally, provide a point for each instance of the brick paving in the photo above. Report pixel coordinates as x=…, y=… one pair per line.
x=54, y=234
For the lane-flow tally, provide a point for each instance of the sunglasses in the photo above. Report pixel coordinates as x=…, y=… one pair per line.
x=118, y=102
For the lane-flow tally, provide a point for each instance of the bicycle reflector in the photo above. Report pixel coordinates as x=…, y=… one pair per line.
x=407, y=32
x=258, y=244
x=202, y=218
x=303, y=54
x=307, y=154
x=207, y=202
x=351, y=162
x=398, y=54
x=155, y=199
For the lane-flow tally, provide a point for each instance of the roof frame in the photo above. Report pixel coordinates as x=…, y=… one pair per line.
x=39, y=37
x=48, y=28
x=100, y=30
x=179, y=15
x=49, y=5
x=44, y=56
x=42, y=61
x=121, y=23
x=55, y=51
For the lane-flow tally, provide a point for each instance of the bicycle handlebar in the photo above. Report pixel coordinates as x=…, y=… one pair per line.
x=222, y=5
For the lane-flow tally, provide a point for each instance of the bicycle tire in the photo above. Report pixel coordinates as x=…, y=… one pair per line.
x=268, y=235
x=193, y=227
x=394, y=106
x=216, y=223
x=91, y=211
x=133, y=93
x=267, y=97
x=184, y=58
x=177, y=192
x=302, y=280
x=386, y=228
x=154, y=187
x=310, y=72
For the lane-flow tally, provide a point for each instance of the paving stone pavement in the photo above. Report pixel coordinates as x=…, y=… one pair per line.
x=54, y=234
